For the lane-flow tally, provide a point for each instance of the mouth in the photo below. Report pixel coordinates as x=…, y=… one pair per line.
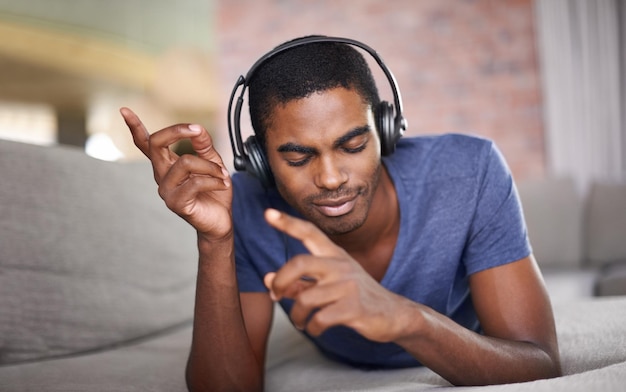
x=336, y=207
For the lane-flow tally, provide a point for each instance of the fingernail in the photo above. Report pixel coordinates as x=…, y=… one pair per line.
x=272, y=214
x=195, y=128
x=225, y=172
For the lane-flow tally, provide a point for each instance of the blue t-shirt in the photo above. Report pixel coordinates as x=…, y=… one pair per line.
x=459, y=214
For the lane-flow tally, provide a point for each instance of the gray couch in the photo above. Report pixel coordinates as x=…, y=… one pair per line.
x=97, y=282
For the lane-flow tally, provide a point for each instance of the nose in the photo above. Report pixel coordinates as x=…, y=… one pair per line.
x=330, y=174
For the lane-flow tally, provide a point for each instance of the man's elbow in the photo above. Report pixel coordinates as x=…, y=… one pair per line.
x=204, y=382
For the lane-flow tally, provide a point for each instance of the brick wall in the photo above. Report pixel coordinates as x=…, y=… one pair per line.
x=467, y=66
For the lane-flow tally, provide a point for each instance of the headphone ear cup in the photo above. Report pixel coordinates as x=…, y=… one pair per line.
x=256, y=162
x=387, y=128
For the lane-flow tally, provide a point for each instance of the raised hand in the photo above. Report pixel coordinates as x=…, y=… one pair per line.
x=198, y=188
x=331, y=288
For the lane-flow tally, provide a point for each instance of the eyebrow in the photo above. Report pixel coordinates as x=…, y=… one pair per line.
x=356, y=132
x=293, y=147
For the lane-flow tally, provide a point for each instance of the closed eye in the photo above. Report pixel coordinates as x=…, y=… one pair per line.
x=355, y=150
x=354, y=141
x=296, y=155
x=298, y=162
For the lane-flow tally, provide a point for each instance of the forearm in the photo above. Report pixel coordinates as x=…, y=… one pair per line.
x=464, y=357
x=221, y=356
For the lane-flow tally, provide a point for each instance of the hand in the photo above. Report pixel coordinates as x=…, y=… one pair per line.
x=197, y=188
x=330, y=288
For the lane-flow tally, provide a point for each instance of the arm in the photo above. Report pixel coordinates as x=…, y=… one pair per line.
x=519, y=342
x=229, y=332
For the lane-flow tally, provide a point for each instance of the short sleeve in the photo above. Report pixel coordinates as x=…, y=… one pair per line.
x=248, y=278
x=497, y=233
x=259, y=248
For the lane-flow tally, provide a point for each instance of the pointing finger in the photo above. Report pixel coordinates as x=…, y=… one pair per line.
x=312, y=237
x=139, y=132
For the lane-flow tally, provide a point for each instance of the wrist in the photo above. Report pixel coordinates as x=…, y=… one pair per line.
x=215, y=248
x=411, y=322
x=206, y=239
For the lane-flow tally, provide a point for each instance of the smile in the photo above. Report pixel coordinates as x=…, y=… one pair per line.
x=334, y=208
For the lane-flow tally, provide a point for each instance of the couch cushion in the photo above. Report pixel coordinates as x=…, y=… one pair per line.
x=592, y=345
x=553, y=210
x=590, y=332
x=151, y=365
x=89, y=254
x=605, y=224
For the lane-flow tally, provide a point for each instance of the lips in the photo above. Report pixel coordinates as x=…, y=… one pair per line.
x=334, y=208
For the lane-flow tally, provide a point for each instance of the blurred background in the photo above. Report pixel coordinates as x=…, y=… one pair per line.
x=545, y=79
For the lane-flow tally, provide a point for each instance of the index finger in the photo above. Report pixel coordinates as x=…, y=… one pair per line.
x=137, y=129
x=311, y=236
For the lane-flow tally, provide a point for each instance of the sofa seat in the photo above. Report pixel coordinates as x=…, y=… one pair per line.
x=97, y=284
x=155, y=364
x=591, y=337
x=592, y=346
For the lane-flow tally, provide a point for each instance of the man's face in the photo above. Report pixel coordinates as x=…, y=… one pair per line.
x=325, y=156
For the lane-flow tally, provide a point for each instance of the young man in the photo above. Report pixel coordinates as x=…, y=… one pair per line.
x=418, y=257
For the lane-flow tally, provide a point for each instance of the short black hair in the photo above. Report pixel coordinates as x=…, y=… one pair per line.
x=303, y=70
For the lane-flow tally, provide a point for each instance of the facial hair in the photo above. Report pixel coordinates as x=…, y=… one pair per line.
x=344, y=224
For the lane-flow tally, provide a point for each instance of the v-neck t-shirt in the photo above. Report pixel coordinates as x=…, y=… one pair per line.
x=459, y=214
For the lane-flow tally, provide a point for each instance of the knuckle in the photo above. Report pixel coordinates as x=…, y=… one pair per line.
x=181, y=129
x=151, y=143
x=162, y=192
x=304, y=300
x=195, y=181
x=186, y=160
x=319, y=322
x=313, y=327
x=138, y=142
x=170, y=205
x=165, y=195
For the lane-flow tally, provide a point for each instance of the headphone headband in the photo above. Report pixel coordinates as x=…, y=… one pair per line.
x=242, y=83
x=397, y=99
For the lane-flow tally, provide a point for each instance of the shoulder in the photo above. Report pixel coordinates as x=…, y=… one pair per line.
x=443, y=147
x=441, y=156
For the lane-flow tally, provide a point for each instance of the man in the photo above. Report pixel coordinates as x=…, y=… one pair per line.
x=418, y=257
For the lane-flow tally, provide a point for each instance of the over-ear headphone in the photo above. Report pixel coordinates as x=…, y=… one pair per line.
x=249, y=155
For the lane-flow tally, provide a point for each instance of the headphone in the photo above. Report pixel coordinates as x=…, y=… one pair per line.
x=249, y=155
